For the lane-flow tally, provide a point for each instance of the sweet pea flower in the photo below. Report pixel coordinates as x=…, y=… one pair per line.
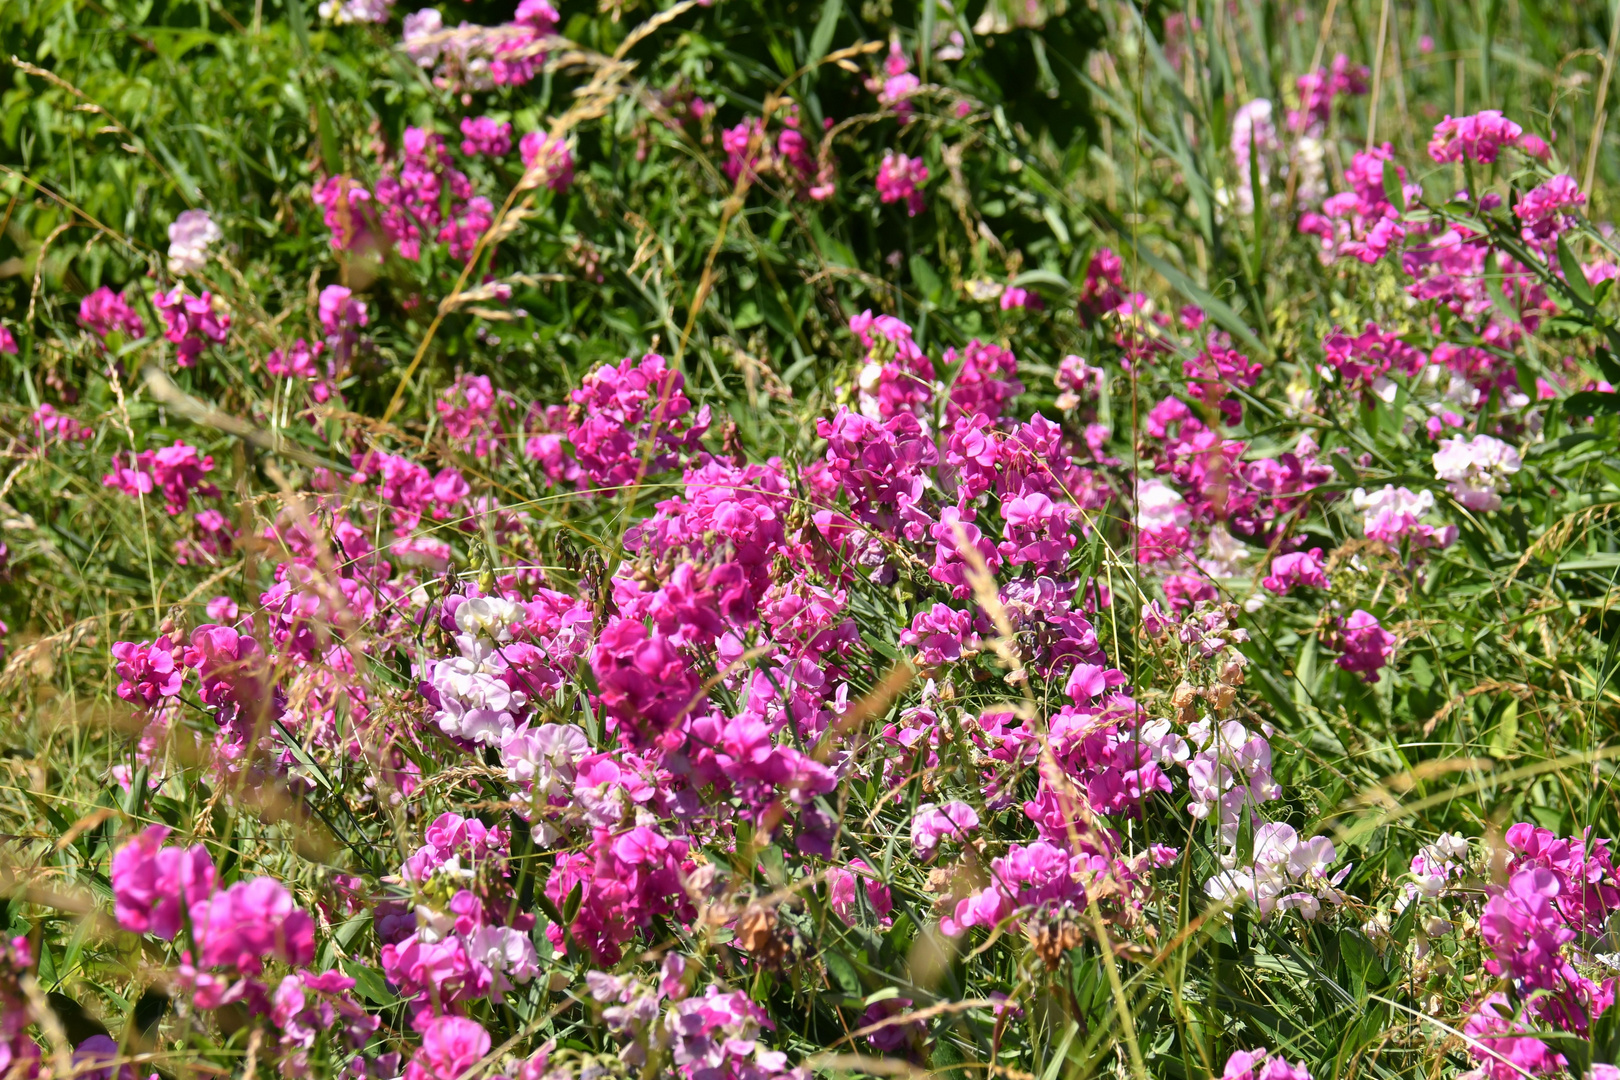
x=189, y=238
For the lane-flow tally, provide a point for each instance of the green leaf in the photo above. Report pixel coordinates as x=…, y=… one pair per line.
x=842, y=971
x=369, y=981
x=1055, y=220
x=1042, y=277
x=826, y=26
x=571, y=905
x=1574, y=276
x=1607, y=363
x=1592, y=403
x=1392, y=187
x=1341, y=465
x=933, y=289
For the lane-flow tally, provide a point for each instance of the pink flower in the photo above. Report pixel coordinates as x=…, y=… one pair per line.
x=1214, y=373
x=341, y=201
x=52, y=426
x=190, y=322
x=1185, y=591
x=302, y=361
x=104, y=311
x=340, y=312
x=841, y=892
x=1297, y=568
x=149, y=672
x=632, y=421
x=8, y=343
x=1589, y=887
x=485, y=135
x=1262, y=1065
x=1497, y=1044
x=901, y=177
x=467, y=410
x=176, y=470
x=153, y=884
x=466, y=225
x=547, y=161
x=1478, y=138
x=1014, y=297
x=223, y=657
x=1542, y=211
x=1393, y=513
x=1476, y=469
x=646, y=685
x=1101, y=292
x=539, y=14
x=451, y=1046
x=985, y=382
x=251, y=922
x=1363, y=360
x=189, y=237
x=1318, y=88
x=931, y=824
x=939, y=635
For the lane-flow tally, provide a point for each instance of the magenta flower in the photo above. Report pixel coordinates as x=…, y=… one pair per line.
x=451, y=1046
x=53, y=426
x=104, y=311
x=841, y=892
x=153, y=884
x=485, y=135
x=1542, y=211
x=901, y=177
x=190, y=322
x=1477, y=138
x=986, y=381
x=1366, y=646
x=251, y=922
x=1261, y=1064
x=932, y=824
x=149, y=672
x=1296, y=568
x=547, y=161
x=342, y=207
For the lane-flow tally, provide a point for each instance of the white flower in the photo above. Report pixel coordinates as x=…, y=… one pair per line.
x=507, y=954
x=1391, y=501
x=356, y=11
x=546, y=757
x=489, y=616
x=1160, y=506
x=1225, y=554
x=189, y=236
x=419, y=25
x=475, y=703
x=1476, y=469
